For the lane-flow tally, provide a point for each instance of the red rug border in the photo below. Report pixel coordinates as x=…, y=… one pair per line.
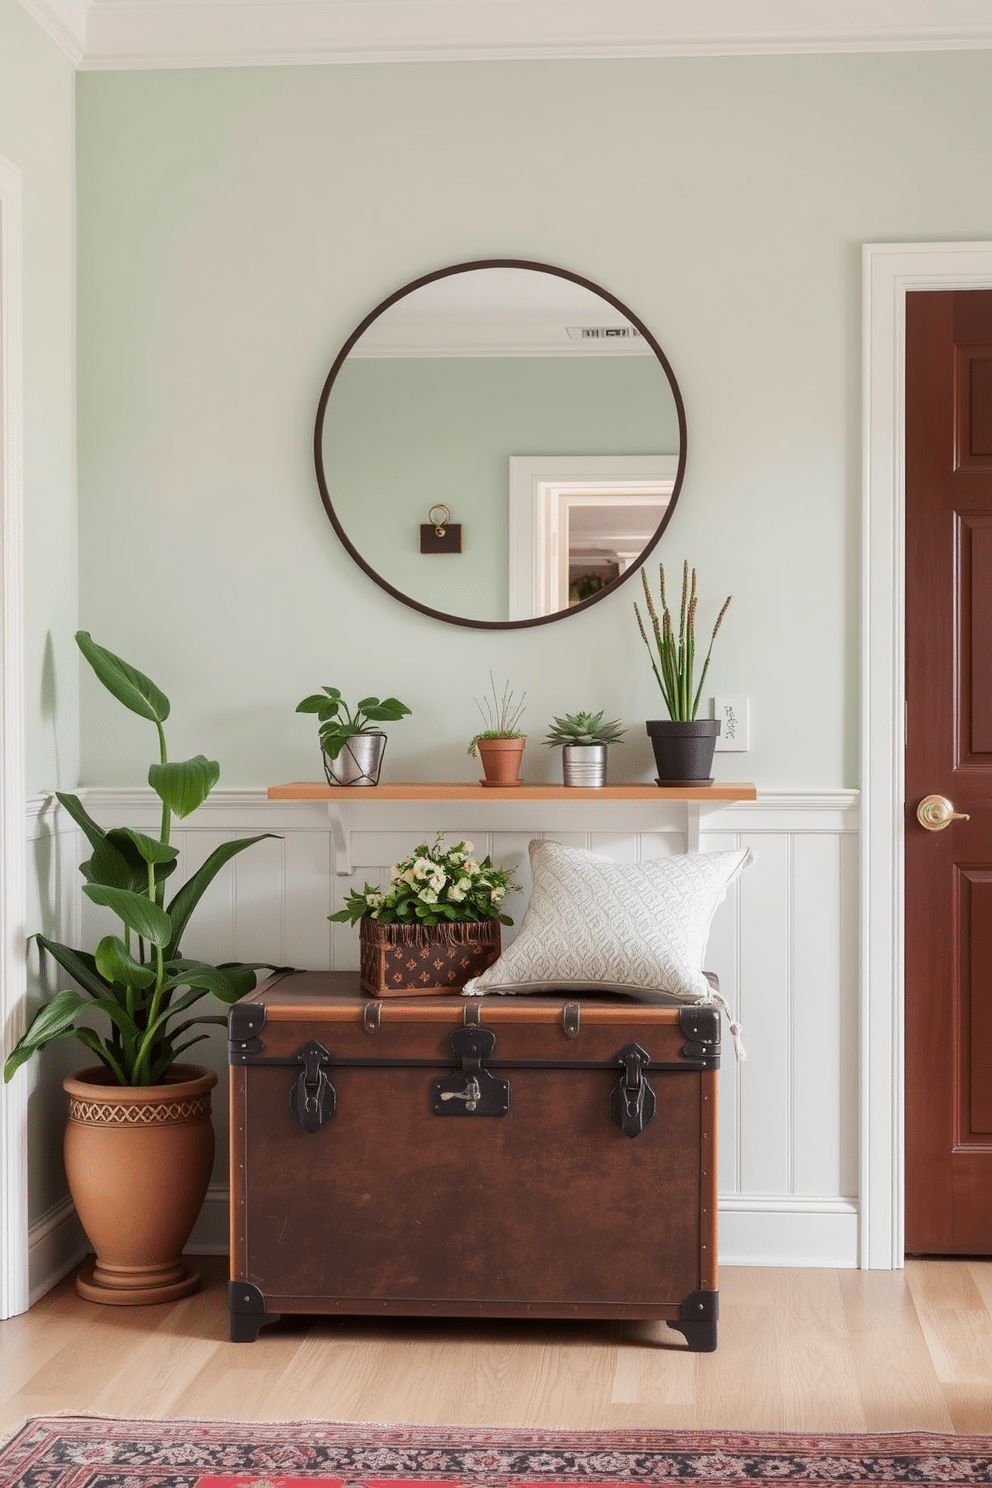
x=456, y=1435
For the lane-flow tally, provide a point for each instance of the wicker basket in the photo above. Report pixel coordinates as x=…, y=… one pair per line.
x=425, y=960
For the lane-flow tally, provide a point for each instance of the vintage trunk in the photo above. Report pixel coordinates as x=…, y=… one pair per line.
x=494, y=1157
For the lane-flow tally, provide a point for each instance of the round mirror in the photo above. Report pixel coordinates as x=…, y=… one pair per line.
x=500, y=443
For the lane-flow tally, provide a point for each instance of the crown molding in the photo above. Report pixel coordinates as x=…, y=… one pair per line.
x=65, y=22
x=122, y=34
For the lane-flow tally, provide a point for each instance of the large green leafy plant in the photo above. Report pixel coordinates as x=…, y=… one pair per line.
x=139, y=981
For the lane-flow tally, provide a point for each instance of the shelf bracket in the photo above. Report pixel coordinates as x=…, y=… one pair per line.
x=692, y=815
x=340, y=837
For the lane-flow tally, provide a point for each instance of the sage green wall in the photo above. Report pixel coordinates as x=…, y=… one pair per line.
x=37, y=129
x=235, y=225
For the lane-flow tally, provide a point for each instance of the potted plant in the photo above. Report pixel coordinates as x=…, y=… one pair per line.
x=352, y=744
x=434, y=926
x=683, y=744
x=582, y=738
x=139, y=1142
x=500, y=745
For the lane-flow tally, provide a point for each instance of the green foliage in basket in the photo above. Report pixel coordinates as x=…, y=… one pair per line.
x=140, y=983
x=338, y=723
x=437, y=883
x=584, y=728
x=674, y=660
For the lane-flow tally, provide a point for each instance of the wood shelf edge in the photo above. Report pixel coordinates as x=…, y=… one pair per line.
x=306, y=790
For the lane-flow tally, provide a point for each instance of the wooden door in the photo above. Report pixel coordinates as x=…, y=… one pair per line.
x=949, y=753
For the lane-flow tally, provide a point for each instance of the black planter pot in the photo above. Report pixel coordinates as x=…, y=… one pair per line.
x=683, y=751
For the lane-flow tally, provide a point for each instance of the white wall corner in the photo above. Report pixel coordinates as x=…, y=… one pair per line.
x=13, y=872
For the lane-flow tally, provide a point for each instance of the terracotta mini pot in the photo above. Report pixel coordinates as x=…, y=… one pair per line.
x=138, y=1159
x=501, y=760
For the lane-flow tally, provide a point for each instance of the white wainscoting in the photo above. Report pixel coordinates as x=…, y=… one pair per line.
x=784, y=945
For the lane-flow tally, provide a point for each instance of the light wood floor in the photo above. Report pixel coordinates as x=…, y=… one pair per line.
x=799, y=1350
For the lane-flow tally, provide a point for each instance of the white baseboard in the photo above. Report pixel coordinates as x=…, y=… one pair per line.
x=789, y=1231
x=211, y=1233
x=769, y=1231
x=56, y=1244
x=753, y=1231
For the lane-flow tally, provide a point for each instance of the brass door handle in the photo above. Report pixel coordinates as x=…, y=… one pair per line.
x=936, y=812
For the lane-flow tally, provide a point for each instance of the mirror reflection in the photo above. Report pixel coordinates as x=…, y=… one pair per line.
x=533, y=407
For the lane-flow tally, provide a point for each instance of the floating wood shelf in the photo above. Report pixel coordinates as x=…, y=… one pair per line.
x=342, y=799
x=306, y=790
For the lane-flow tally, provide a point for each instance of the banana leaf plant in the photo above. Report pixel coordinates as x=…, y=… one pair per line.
x=139, y=982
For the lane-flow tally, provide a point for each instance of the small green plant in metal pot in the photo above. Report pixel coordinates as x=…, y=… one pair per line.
x=583, y=738
x=350, y=738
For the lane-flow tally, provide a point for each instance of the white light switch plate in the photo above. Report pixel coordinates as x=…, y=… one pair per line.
x=734, y=716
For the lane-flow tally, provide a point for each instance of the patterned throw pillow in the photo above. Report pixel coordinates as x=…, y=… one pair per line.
x=593, y=925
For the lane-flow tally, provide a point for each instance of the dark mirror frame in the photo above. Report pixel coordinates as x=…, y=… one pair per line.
x=362, y=327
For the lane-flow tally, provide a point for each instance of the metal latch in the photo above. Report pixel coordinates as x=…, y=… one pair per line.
x=313, y=1098
x=472, y=1090
x=633, y=1103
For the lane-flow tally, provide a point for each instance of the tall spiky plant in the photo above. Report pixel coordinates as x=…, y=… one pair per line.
x=673, y=661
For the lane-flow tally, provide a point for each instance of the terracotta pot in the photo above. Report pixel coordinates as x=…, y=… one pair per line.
x=501, y=760
x=138, y=1159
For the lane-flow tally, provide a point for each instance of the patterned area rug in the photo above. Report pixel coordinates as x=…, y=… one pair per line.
x=93, y=1452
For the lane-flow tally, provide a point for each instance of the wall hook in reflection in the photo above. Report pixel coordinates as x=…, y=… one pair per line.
x=439, y=534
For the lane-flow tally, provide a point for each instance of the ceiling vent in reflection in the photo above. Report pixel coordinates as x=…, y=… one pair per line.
x=604, y=333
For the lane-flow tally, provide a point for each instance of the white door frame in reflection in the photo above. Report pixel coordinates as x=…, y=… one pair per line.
x=542, y=489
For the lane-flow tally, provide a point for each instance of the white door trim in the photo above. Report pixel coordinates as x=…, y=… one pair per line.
x=890, y=270
x=529, y=475
x=13, y=1097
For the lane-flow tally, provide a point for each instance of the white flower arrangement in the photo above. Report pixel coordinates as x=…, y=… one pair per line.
x=435, y=884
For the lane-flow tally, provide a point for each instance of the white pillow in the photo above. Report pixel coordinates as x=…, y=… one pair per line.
x=593, y=925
